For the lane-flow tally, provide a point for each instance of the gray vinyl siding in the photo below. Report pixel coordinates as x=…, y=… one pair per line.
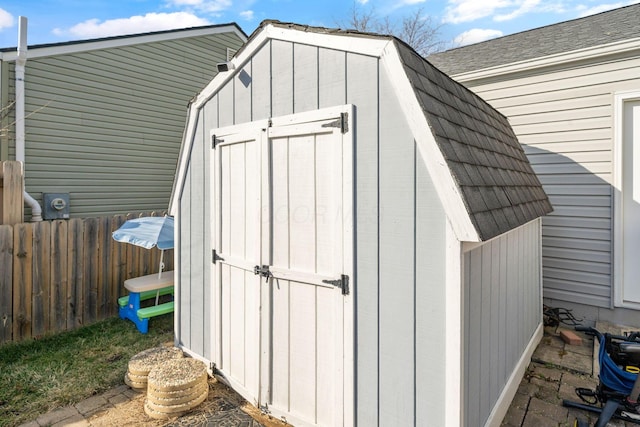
x=400, y=224
x=564, y=119
x=106, y=125
x=502, y=310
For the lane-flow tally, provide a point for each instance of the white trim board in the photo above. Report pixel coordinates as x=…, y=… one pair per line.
x=619, y=100
x=510, y=389
x=130, y=40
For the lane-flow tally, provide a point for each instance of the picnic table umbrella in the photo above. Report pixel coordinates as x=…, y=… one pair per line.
x=148, y=232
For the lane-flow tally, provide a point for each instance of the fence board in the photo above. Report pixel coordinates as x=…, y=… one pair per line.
x=90, y=261
x=59, y=277
x=132, y=260
x=6, y=283
x=154, y=254
x=104, y=249
x=22, y=280
x=118, y=262
x=75, y=273
x=41, y=278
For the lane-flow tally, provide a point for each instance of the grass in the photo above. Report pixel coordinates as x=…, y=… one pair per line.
x=37, y=376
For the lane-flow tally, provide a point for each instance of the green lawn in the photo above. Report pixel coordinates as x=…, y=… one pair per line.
x=37, y=376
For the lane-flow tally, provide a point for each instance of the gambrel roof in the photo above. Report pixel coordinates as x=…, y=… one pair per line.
x=595, y=30
x=481, y=173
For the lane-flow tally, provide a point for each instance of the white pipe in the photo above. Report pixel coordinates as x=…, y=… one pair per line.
x=21, y=60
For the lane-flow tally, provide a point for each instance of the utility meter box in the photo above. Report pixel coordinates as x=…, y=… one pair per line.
x=56, y=206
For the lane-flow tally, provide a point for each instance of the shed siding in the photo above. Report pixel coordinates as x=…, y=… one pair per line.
x=397, y=263
x=502, y=310
x=108, y=120
x=411, y=300
x=564, y=119
x=388, y=216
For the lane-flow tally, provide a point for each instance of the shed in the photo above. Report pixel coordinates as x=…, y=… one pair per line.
x=358, y=236
x=104, y=117
x=572, y=94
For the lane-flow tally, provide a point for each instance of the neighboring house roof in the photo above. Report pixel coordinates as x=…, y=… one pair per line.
x=485, y=163
x=9, y=53
x=594, y=30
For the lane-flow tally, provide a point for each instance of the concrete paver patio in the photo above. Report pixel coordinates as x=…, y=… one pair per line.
x=554, y=373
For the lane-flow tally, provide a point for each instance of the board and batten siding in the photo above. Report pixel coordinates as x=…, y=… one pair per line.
x=400, y=224
x=563, y=118
x=502, y=311
x=106, y=125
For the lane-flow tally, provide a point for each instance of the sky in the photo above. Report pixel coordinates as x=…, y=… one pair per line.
x=461, y=21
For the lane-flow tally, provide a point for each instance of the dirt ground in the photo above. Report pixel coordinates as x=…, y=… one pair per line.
x=222, y=407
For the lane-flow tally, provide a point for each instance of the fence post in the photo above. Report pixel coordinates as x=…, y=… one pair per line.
x=11, y=192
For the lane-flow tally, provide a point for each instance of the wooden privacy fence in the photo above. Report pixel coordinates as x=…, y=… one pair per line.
x=59, y=275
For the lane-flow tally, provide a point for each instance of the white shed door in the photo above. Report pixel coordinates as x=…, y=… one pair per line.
x=236, y=231
x=285, y=211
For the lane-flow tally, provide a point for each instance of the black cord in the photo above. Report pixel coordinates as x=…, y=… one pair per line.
x=553, y=316
x=584, y=393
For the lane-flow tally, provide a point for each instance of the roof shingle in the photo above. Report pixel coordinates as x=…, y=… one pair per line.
x=500, y=189
x=594, y=30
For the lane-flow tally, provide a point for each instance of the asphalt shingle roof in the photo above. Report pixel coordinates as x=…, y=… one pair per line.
x=500, y=189
x=603, y=28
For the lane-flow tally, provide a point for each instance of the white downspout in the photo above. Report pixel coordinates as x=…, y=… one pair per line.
x=21, y=59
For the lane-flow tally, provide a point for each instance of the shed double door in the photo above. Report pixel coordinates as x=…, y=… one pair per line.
x=283, y=262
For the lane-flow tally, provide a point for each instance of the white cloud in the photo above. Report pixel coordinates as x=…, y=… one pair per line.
x=469, y=10
x=476, y=35
x=605, y=7
x=526, y=7
x=459, y=11
x=247, y=14
x=134, y=24
x=363, y=1
x=6, y=19
x=207, y=6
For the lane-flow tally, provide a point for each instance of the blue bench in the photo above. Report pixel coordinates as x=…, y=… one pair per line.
x=145, y=288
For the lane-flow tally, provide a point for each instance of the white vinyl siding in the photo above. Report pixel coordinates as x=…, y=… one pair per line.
x=563, y=117
x=106, y=125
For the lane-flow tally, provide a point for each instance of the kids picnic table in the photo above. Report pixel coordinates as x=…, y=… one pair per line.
x=141, y=289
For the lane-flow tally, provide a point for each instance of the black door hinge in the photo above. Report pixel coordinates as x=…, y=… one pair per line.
x=215, y=141
x=342, y=123
x=215, y=257
x=342, y=283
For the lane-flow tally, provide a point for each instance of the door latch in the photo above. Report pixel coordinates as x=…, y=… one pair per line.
x=262, y=271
